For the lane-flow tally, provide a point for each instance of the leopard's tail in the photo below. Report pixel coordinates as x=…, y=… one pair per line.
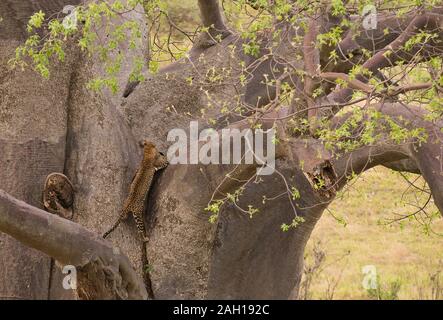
x=146, y=271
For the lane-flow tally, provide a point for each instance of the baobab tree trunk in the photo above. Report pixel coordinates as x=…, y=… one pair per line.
x=33, y=117
x=58, y=125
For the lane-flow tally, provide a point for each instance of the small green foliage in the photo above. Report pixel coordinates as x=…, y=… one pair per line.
x=338, y=7
x=331, y=38
x=36, y=21
x=419, y=39
x=319, y=183
x=213, y=218
x=251, y=48
x=295, y=194
x=214, y=209
x=105, y=33
x=252, y=211
x=372, y=127
x=117, y=33
x=294, y=223
x=385, y=291
x=275, y=140
x=148, y=269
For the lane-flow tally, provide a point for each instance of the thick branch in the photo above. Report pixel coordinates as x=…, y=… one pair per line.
x=356, y=84
x=386, y=56
x=374, y=40
x=15, y=14
x=422, y=157
x=353, y=83
x=405, y=165
x=311, y=58
x=104, y=272
x=212, y=18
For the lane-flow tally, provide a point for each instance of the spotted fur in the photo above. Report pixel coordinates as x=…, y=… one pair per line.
x=135, y=202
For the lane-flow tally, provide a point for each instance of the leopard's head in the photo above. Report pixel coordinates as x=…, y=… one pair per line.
x=154, y=156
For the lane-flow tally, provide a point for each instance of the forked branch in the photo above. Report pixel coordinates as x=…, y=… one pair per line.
x=212, y=18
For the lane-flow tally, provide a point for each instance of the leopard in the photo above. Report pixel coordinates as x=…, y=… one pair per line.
x=152, y=161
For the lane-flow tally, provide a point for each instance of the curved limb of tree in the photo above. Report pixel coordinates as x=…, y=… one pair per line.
x=412, y=156
x=104, y=272
x=405, y=165
x=390, y=54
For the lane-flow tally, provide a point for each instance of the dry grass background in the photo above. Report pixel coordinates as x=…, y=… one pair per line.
x=408, y=256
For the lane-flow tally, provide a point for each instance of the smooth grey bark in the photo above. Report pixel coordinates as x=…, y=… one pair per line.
x=57, y=125
x=103, y=271
x=15, y=14
x=268, y=262
x=177, y=218
x=102, y=154
x=32, y=144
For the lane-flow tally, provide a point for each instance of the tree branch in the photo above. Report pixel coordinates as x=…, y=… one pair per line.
x=384, y=57
x=356, y=84
x=212, y=18
x=357, y=39
x=311, y=57
x=423, y=157
x=405, y=165
x=103, y=271
x=353, y=83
